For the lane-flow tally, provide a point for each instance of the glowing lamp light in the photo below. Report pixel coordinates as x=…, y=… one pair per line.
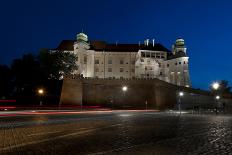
x=41, y=91
x=124, y=88
x=215, y=85
x=181, y=94
x=217, y=97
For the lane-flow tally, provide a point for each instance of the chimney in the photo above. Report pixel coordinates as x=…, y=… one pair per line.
x=147, y=42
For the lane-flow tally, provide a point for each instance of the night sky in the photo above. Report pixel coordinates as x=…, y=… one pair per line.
x=206, y=25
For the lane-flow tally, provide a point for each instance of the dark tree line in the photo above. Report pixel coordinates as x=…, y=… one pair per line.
x=25, y=75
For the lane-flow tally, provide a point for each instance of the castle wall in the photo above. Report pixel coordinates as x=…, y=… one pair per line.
x=108, y=93
x=156, y=93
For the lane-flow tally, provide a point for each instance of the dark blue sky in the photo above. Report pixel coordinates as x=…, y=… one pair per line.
x=206, y=25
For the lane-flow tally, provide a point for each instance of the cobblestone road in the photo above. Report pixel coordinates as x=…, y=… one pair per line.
x=116, y=133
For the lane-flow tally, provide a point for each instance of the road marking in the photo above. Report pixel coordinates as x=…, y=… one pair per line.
x=55, y=138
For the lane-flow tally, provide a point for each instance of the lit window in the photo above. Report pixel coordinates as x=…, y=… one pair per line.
x=109, y=69
x=121, y=69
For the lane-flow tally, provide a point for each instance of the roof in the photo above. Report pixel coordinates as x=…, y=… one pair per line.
x=67, y=45
x=103, y=46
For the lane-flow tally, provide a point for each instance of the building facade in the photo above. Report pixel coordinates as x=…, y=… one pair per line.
x=150, y=60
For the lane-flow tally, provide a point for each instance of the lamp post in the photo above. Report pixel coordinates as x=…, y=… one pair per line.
x=124, y=89
x=146, y=105
x=41, y=93
x=217, y=102
x=215, y=87
x=181, y=94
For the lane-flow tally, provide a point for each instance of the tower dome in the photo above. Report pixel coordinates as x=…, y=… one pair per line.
x=180, y=42
x=82, y=37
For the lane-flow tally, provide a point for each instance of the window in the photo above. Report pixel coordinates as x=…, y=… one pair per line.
x=121, y=61
x=153, y=55
x=133, y=62
x=85, y=59
x=148, y=54
x=142, y=54
x=96, y=69
x=133, y=70
x=161, y=73
x=179, y=63
x=96, y=61
x=167, y=65
x=176, y=63
x=121, y=69
x=109, y=69
x=184, y=62
x=109, y=61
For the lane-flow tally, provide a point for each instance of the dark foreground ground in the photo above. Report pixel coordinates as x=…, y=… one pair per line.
x=116, y=133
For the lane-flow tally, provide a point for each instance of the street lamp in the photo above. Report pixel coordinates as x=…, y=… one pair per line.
x=215, y=85
x=41, y=93
x=217, y=102
x=181, y=94
x=124, y=89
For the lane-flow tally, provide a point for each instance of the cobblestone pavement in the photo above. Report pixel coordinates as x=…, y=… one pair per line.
x=116, y=133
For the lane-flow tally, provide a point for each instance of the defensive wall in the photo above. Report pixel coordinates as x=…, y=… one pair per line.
x=141, y=94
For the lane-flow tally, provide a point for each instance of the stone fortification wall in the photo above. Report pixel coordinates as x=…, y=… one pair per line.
x=108, y=93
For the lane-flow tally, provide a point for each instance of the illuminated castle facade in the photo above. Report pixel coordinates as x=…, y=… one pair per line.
x=99, y=59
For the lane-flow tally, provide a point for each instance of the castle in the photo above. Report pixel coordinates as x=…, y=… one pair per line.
x=150, y=60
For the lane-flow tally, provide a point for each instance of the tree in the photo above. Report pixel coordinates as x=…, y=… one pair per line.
x=27, y=76
x=5, y=82
x=56, y=64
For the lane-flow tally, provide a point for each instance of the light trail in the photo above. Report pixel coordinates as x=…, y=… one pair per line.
x=41, y=112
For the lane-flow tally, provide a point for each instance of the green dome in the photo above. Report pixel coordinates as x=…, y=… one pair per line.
x=180, y=42
x=82, y=37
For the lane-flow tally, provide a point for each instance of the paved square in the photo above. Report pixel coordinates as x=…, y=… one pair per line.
x=116, y=133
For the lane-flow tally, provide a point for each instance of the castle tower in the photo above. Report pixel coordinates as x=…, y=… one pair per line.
x=85, y=56
x=179, y=46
